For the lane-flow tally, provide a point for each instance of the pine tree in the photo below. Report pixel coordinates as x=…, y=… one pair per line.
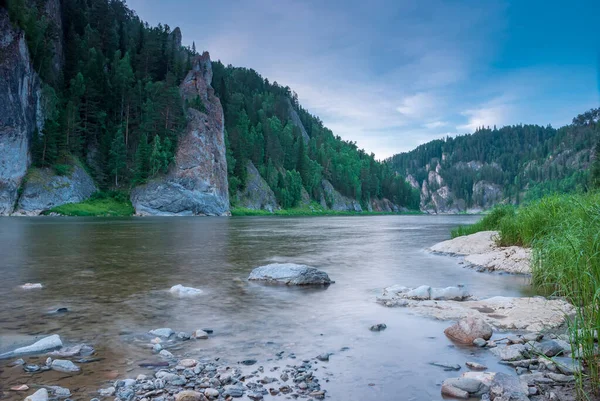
x=142, y=160
x=117, y=156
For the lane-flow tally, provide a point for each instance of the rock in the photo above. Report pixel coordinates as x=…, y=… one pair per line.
x=332, y=199
x=248, y=362
x=189, y=395
x=183, y=336
x=468, y=329
x=256, y=194
x=446, y=366
x=453, y=392
x=560, y=378
x=197, y=182
x=124, y=383
x=513, y=352
x=211, y=392
x=79, y=349
x=200, y=335
x=107, y=392
x=31, y=368
x=378, y=327
x=422, y=292
x=507, y=387
x=40, y=395
x=65, y=366
x=567, y=365
x=533, y=337
x=188, y=363
x=512, y=339
x=478, y=243
x=126, y=394
x=475, y=366
x=234, y=391
x=290, y=274
x=472, y=386
x=166, y=354
x=450, y=294
x=479, y=342
x=32, y=286
x=44, y=345
x=18, y=362
x=44, y=189
x=157, y=348
x=549, y=348
x=21, y=111
x=323, y=357
x=164, y=332
x=59, y=392
x=22, y=387
x=184, y=292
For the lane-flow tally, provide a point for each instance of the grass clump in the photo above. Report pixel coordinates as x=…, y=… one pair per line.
x=563, y=232
x=112, y=203
x=490, y=222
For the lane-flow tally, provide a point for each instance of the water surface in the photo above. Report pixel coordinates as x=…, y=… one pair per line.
x=114, y=274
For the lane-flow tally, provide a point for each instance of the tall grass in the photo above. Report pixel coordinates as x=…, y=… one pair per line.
x=564, y=234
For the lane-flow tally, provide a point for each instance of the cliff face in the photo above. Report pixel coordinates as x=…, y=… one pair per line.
x=332, y=199
x=44, y=190
x=257, y=194
x=20, y=110
x=197, y=182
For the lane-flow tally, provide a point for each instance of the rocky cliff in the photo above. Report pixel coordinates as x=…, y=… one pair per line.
x=332, y=199
x=257, y=194
x=20, y=110
x=197, y=182
x=43, y=190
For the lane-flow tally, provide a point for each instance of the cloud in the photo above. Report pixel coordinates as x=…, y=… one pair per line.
x=435, y=124
x=418, y=105
x=486, y=116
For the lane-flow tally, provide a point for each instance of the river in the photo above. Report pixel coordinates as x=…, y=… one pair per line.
x=113, y=275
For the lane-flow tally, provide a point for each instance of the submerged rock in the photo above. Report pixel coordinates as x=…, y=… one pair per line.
x=290, y=274
x=182, y=292
x=40, y=395
x=32, y=286
x=44, y=345
x=65, y=366
x=467, y=330
x=163, y=332
x=426, y=292
x=378, y=327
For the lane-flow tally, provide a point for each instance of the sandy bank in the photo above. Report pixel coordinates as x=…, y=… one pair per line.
x=480, y=250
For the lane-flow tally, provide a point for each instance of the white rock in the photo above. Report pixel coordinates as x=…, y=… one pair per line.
x=422, y=292
x=211, y=393
x=185, y=292
x=449, y=294
x=200, y=335
x=32, y=286
x=164, y=332
x=44, y=345
x=40, y=395
x=166, y=354
x=107, y=392
x=66, y=366
x=290, y=274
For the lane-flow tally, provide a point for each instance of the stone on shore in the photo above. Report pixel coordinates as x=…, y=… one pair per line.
x=39, y=347
x=507, y=387
x=189, y=395
x=478, y=243
x=200, y=335
x=472, y=386
x=475, y=366
x=40, y=395
x=454, y=392
x=290, y=274
x=513, y=352
x=426, y=292
x=185, y=292
x=468, y=329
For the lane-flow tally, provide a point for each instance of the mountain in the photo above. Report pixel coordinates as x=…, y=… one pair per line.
x=97, y=99
x=470, y=173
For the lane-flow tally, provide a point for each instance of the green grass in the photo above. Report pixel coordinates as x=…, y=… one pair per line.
x=100, y=204
x=564, y=234
x=314, y=209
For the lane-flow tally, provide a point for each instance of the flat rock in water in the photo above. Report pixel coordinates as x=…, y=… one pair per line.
x=446, y=366
x=475, y=366
x=40, y=395
x=454, y=392
x=65, y=366
x=164, y=332
x=185, y=292
x=378, y=327
x=513, y=352
x=44, y=345
x=549, y=348
x=290, y=274
x=32, y=286
x=472, y=386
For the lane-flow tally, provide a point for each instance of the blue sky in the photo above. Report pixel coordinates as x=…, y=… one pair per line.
x=392, y=74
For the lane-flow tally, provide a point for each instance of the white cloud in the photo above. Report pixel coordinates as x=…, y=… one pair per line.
x=435, y=124
x=418, y=105
x=486, y=116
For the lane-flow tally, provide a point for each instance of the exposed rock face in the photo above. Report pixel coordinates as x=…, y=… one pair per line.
x=290, y=274
x=330, y=198
x=45, y=190
x=384, y=205
x=20, y=112
x=295, y=118
x=257, y=194
x=486, y=194
x=197, y=183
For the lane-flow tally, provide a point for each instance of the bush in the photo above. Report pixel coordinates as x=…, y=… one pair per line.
x=62, y=169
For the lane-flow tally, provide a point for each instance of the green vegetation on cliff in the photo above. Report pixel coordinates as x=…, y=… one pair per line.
x=100, y=204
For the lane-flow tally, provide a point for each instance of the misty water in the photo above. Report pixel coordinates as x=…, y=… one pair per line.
x=113, y=275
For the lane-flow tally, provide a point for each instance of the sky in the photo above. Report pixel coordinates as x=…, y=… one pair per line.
x=393, y=74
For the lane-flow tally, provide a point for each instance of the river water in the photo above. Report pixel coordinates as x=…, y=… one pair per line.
x=114, y=274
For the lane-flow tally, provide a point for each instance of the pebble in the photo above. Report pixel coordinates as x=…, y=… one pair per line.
x=480, y=342
x=475, y=366
x=200, y=335
x=323, y=357
x=378, y=327
x=248, y=362
x=22, y=387
x=163, y=332
x=65, y=366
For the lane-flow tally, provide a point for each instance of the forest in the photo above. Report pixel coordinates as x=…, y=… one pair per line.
x=528, y=161
x=115, y=107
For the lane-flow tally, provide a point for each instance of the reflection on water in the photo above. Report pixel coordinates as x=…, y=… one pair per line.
x=114, y=274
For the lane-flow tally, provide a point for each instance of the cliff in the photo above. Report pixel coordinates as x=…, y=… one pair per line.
x=196, y=183
x=257, y=194
x=20, y=113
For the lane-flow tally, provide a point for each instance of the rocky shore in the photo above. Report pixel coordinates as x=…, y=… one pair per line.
x=480, y=251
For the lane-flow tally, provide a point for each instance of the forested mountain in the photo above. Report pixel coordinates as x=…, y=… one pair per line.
x=511, y=164
x=110, y=101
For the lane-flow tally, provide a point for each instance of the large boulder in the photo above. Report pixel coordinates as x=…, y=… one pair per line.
x=290, y=274
x=197, y=182
x=256, y=194
x=468, y=329
x=44, y=189
x=20, y=111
